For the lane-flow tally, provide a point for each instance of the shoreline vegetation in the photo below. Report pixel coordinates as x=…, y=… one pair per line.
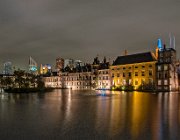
x=22, y=82
x=28, y=90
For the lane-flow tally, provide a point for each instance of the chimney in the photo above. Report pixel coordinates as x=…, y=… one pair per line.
x=164, y=46
x=125, y=52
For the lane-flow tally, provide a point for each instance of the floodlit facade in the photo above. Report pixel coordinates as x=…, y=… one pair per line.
x=53, y=81
x=136, y=70
x=104, y=79
x=78, y=80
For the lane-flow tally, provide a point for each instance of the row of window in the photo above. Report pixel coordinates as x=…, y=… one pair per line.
x=162, y=82
x=103, y=84
x=162, y=67
x=143, y=66
x=135, y=74
x=52, y=80
x=136, y=82
x=77, y=83
x=104, y=78
x=80, y=78
x=103, y=72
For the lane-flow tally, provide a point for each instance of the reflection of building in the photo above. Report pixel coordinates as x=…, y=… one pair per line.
x=45, y=69
x=59, y=64
x=7, y=68
x=134, y=70
x=32, y=65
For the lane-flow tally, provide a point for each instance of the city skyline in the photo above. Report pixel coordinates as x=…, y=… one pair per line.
x=48, y=29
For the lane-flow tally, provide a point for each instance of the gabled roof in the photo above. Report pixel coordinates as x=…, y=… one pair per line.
x=134, y=58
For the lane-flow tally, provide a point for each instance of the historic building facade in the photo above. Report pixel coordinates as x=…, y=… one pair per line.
x=53, y=81
x=136, y=70
x=78, y=80
x=104, y=79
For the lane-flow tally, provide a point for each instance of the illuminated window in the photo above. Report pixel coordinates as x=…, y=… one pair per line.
x=159, y=82
x=150, y=72
x=136, y=82
x=159, y=68
x=124, y=82
x=165, y=67
x=165, y=82
x=136, y=73
x=143, y=73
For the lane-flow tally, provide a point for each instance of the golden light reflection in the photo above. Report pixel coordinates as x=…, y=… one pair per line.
x=140, y=106
x=117, y=114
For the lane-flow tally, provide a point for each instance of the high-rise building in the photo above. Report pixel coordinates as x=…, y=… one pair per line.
x=32, y=65
x=69, y=63
x=45, y=69
x=59, y=64
x=7, y=68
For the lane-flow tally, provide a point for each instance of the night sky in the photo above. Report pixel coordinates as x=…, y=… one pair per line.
x=81, y=29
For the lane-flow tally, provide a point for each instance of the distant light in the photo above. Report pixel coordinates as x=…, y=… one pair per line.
x=33, y=68
x=159, y=44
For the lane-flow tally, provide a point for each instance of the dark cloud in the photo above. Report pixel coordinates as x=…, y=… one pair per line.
x=46, y=29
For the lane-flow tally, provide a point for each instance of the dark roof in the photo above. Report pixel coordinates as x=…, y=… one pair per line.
x=134, y=58
x=104, y=66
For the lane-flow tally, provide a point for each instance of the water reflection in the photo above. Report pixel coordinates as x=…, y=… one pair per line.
x=90, y=115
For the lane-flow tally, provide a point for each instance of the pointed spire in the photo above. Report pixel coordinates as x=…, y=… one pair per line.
x=125, y=52
x=174, y=42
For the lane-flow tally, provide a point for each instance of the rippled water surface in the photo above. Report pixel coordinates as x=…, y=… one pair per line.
x=66, y=114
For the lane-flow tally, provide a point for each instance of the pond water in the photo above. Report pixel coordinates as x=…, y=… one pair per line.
x=89, y=115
